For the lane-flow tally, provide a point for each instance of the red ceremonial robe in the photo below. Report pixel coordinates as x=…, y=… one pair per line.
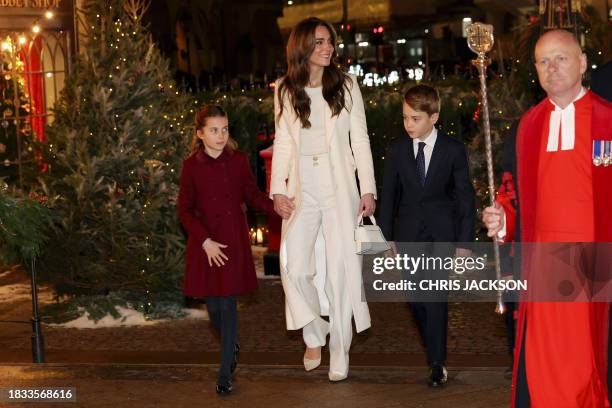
x=565, y=344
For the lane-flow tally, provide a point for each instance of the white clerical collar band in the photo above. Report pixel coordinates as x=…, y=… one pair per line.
x=602, y=152
x=562, y=121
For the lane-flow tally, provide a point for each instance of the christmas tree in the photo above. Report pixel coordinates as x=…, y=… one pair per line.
x=114, y=151
x=16, y=147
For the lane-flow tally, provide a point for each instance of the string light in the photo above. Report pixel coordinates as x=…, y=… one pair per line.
x=36, y=28
x=49, y=14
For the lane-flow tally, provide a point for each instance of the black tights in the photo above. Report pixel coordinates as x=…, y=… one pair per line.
x=224, y=318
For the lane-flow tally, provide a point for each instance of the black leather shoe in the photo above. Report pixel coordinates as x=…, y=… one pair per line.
x=235, y=362
x=224, y=389
x=438, y=376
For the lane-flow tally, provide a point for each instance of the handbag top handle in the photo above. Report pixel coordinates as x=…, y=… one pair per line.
x=360, y=219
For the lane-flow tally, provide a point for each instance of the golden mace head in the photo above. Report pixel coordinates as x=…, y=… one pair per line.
x=480, y=38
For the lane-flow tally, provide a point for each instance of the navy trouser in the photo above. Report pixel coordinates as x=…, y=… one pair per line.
x=432, y=316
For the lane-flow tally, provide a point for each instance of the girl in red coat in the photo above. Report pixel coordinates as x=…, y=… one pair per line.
x=216, y=181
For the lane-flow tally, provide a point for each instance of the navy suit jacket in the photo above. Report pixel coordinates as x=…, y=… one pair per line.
x=444, y=207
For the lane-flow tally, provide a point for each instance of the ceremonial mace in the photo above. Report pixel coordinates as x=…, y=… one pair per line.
x=480, y=41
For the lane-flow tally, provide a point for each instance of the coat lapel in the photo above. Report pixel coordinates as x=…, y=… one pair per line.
x=528, y=144
x=295, y=129
x=411, y=162
x=601, y=129
x=330, y=124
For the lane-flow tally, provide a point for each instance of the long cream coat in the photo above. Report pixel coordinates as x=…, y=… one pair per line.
x=344, y=163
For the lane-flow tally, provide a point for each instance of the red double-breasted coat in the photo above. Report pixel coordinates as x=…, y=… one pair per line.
x=211, y=204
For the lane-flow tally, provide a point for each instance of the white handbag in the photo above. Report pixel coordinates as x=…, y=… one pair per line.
x=369, y=239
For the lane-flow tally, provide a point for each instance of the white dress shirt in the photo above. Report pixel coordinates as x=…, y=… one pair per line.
x=430, y=142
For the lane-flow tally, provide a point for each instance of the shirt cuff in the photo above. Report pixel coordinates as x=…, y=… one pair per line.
x=502, y=232
x=207, y=239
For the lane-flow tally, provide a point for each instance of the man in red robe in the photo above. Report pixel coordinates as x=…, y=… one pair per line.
x=565, y=195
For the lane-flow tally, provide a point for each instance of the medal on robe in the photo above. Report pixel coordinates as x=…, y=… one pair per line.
x=597, y=153
x=607, y=154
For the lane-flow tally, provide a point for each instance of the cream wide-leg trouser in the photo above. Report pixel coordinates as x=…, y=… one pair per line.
x=318, y=211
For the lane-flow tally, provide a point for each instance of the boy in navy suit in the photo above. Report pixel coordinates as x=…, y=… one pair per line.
x=427, y=197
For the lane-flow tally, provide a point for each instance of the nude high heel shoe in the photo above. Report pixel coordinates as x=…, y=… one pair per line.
x=311, y=364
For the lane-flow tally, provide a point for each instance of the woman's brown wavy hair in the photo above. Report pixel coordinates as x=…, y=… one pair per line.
x=300, y=46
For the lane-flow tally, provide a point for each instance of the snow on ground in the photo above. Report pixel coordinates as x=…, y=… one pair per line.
x=128, y=318
x=196, y=314
x=22, y=291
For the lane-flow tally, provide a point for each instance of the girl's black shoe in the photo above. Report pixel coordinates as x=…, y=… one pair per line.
x=235, y=362
x=224, y=389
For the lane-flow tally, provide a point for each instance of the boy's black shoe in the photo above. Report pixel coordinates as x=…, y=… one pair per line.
x=438, y=376
x=224, y=389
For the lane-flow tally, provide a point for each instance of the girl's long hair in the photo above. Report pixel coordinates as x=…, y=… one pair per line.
x=300, y=46
x=208, y=111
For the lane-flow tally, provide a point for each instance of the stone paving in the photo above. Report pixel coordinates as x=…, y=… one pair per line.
x=173, y=364
x=115, y=386
x=476, y=335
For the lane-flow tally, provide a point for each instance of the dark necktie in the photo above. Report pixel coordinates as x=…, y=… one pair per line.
x=420, y=159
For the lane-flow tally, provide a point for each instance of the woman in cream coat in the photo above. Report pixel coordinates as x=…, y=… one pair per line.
x=321, y=140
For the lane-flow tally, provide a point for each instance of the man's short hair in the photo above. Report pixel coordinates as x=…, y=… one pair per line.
x=423, y=98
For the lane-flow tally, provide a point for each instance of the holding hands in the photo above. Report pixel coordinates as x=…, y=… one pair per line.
x=283, y=205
